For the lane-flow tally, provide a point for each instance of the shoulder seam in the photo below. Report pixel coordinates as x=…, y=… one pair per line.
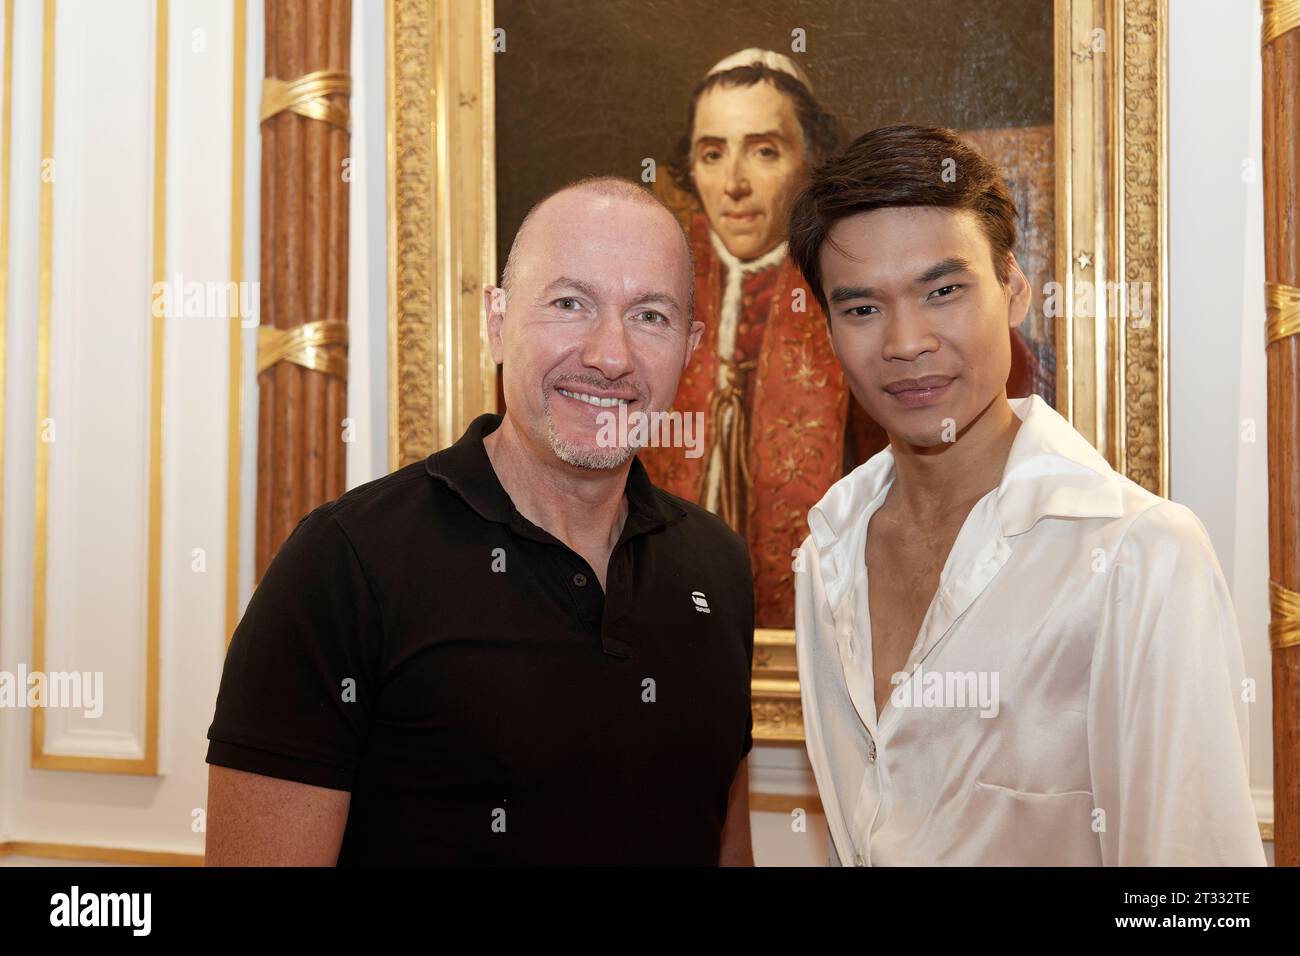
x=370, y=489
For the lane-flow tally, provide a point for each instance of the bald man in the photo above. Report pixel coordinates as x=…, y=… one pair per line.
x=517, y=651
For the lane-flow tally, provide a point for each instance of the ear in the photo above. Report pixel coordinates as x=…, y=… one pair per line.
x=1020, y=292
x=697, y=331
x=494, y=304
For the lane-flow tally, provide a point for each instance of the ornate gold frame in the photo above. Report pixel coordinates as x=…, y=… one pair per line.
x=1111, y=215
x=441, y=221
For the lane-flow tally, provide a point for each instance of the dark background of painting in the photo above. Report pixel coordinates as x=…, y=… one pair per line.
x=589, y=87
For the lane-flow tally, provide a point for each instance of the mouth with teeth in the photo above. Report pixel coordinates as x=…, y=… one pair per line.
x=596, y=400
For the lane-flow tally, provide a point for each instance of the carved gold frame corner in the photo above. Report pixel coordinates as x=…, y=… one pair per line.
x=1111, y=88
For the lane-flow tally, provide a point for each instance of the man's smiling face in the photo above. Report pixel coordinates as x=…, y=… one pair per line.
x=919, y=319
x=597, y=318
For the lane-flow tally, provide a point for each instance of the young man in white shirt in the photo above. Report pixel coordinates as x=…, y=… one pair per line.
x=1009, y=653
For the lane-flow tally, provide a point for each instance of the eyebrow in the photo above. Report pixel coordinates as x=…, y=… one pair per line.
x=749, y=137
x=589, y=290
x=945, y=267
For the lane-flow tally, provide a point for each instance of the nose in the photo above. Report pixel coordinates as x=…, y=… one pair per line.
x=737, y=182
x=908, y=335
x=606, y=347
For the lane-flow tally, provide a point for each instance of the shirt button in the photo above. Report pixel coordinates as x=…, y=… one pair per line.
x=580, y=580
x=871, y=752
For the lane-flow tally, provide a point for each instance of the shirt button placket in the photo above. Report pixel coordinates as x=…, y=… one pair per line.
x=864, y=856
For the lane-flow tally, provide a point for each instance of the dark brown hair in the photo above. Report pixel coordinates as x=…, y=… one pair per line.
x=900, y=166
x=821, y=131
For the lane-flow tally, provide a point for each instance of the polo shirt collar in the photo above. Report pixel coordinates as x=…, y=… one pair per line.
x=1051, y=471
x=466, y=469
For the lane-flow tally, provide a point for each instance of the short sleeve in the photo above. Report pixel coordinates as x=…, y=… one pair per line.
x=295, y=692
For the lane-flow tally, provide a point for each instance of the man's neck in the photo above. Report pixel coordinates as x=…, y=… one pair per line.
x=934, y=483
x=583, y=508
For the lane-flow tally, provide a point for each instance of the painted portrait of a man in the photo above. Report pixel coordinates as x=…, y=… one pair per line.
x=780, y=424
x=774, y=398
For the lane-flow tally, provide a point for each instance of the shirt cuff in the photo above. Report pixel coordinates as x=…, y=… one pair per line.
x=222, y=753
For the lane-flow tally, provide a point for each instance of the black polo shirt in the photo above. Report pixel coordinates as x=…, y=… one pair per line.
x=421, y=644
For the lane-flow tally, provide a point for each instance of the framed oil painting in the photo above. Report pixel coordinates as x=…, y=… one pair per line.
x=721, y=109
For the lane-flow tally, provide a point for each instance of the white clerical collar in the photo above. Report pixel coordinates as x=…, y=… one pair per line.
x=746, y=266
x=729, y=313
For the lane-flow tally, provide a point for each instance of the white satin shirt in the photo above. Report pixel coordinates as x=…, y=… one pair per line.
x=1098, y=612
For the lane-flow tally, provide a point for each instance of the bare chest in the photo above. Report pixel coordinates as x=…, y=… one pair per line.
x=903, y=574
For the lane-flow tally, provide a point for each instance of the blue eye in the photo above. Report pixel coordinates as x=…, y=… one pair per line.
x=567, y=304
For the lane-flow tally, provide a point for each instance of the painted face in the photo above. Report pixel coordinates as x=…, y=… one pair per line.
x=747, y=160
x=918, y=318
x=597, y=318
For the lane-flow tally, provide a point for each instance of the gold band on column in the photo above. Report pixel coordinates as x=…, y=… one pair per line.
x=304, y=345
x=306, y=96
x=1280, y=16
x=1284, y=628
x=1282, y=306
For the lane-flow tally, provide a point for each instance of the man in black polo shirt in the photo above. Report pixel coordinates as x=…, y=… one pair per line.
x=518, y=650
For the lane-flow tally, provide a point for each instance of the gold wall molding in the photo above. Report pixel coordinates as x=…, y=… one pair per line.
x=6, y=150
x=785, y=803
x=235, y=391
x=122, y=856
x=40, y=758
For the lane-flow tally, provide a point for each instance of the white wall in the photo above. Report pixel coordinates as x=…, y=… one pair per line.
x=101, y=287
x=99, y=386
x=1217, y=363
